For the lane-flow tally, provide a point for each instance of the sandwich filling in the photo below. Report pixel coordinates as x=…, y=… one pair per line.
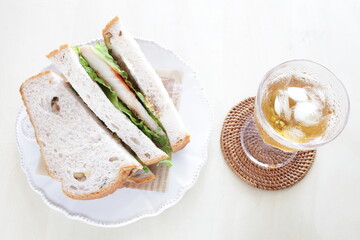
x=127, y=98
x=112, y=75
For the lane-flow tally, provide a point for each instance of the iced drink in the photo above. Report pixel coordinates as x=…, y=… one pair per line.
x=297, y=108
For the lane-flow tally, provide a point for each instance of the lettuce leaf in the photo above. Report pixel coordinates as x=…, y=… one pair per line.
x=145, y=168
x=166, y=161
x=112, y=96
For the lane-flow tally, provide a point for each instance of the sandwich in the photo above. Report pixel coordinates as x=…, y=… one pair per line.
x=77, y=149
x=119, y=85
x=125, y=50
x=106, y=119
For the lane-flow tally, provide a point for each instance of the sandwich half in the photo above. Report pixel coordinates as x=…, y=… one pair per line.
x=76, y=147
x=102, y=100
x=106, y=68
x=144, y=81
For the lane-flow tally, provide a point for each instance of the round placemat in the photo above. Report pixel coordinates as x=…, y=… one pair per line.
x=247, y=170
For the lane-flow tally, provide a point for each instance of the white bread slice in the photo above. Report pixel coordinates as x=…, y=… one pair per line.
x=128, y=54
x=77, y=149
x=106, y=73
x=67, y=61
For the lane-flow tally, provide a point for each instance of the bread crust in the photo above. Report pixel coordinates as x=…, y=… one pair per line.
x=47, y=72
x=110, y=24
x=181, y=144
x=143, y=180
x=56, y=51
x=122, y=175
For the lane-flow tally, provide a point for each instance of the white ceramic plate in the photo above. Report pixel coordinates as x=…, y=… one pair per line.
x=129, y=205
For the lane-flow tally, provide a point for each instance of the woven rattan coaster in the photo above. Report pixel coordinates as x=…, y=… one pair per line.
x=248, y=171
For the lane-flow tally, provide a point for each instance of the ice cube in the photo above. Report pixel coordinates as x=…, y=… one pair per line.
x=277, y=106
x=294, y=133
x=281, y=105
x=316, y=94
x=307, y=113
x=297, y=94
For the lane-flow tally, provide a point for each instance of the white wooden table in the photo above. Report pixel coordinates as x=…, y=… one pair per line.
x=230, y=44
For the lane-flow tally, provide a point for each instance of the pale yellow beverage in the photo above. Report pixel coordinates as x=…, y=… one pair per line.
x=300, y=105
x=296, y=107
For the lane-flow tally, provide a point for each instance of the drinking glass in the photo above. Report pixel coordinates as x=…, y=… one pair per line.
x=266, y=145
